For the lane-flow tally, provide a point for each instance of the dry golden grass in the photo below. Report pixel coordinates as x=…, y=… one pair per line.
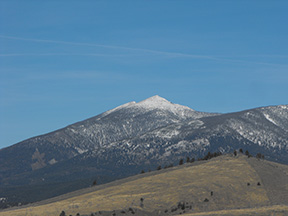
x=226, y=176
x=277, y=210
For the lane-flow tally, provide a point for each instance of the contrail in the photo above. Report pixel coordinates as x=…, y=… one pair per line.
x=175, y=54
x=59, y=54
x=157, y=52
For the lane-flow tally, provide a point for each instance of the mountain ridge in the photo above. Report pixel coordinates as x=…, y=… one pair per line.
x=141, y=136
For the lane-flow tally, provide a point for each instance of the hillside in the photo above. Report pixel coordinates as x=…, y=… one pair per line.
x=223, y=184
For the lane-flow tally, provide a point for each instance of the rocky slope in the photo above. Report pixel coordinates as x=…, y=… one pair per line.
x=263, y=130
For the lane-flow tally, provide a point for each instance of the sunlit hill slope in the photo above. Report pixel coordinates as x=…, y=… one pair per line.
x=225, y=185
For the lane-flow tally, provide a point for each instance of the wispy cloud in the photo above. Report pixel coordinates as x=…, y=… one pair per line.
x=59, y=54
x=249, y=62
x=138, y=50
x=66, y=75
x=226, y=60
x=170, y=54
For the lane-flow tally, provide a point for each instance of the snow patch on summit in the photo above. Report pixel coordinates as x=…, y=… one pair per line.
x=118, y=108
x=157, y=102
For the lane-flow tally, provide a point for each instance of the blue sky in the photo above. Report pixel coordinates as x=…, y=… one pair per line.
x=64, y=61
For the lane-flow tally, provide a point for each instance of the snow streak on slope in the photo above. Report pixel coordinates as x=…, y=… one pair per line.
x=269, y=119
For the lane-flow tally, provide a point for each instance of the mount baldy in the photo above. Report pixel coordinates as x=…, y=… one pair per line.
x=96, y=135
x=136, y=136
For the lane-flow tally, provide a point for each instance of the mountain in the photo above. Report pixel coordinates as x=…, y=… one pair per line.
x=225, y=185
x=263, y=130
x=94, y=134
x=133, y=137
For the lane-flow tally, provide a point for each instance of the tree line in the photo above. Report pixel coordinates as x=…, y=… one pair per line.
x=208, y=156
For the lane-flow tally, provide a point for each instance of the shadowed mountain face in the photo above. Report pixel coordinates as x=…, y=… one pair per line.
x=136, y=136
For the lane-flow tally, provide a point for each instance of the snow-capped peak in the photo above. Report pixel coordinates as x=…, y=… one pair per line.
x=157, y=102
x=154, y=101
x=118, y=108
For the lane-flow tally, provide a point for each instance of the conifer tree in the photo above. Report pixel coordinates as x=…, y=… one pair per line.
x=247, y=153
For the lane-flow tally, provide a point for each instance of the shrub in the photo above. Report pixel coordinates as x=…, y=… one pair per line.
x=181, y=161
x=131, y=210
x=174, y=209
x=208, y=156
x=169, y=166
x=141, y=203
x=62, y=213
x=216, y=154
x=181, y=205
x=259, y=156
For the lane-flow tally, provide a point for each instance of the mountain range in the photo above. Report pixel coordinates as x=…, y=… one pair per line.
x=133, y=137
